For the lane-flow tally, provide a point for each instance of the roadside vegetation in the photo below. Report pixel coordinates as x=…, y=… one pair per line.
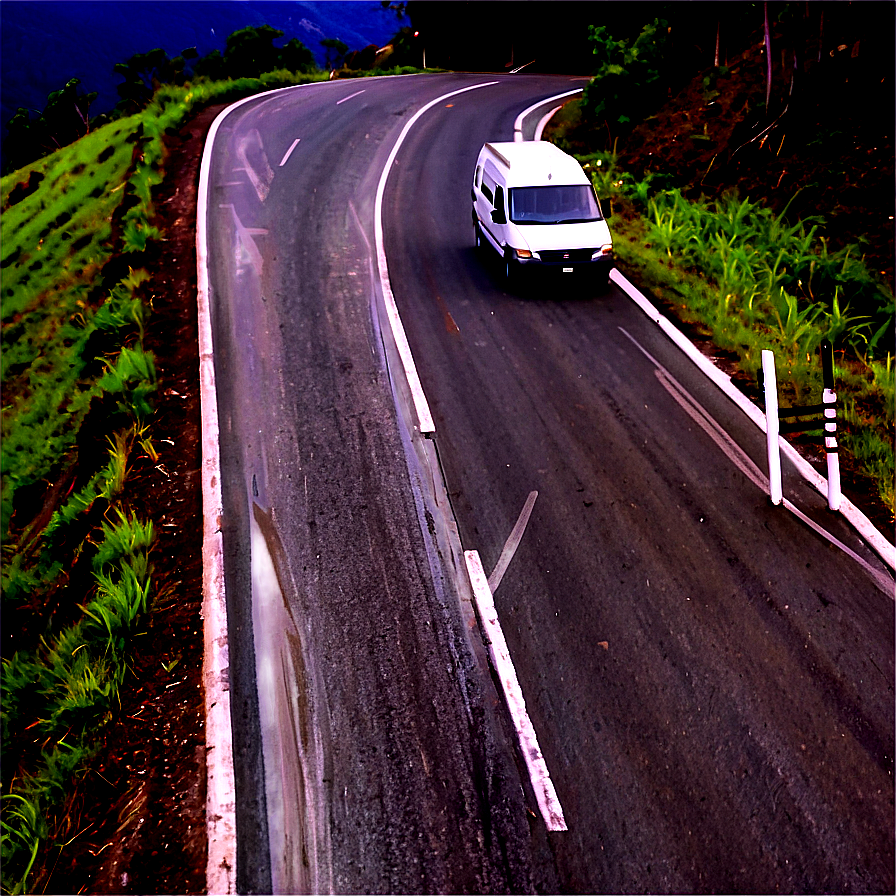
x=79, y=387
x=751, y=247
x=80, y=235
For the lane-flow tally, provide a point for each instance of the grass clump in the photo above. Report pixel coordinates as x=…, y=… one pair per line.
x=78, y=396
x=79, y=392
x=752, y=280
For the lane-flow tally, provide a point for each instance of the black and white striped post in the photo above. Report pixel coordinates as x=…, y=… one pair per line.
x=774, y=427
x=829, y=400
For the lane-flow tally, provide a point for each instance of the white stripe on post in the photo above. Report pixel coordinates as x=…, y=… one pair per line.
x=545, y=795
x=830, y=443
x=772, y=426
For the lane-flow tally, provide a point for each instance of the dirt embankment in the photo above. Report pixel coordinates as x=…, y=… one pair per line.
x=142, y=804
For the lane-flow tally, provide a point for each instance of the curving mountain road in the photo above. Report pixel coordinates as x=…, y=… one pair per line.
x=711, y=681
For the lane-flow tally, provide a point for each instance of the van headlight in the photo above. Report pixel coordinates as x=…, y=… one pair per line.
x=523, y=253
x=606, y=249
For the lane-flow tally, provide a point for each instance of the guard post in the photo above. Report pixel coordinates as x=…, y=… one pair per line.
x=774, y=427
x=829, y=400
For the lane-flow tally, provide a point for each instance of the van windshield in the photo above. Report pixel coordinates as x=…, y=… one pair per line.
x=570, y=204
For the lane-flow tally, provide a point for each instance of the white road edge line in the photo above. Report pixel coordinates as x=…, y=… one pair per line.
x=745, y=463
x=851, y=513
x=220, y=802
x=539, y=128
x=518, y=123
x=545, y=795
x=421, y=406
x=285, y=158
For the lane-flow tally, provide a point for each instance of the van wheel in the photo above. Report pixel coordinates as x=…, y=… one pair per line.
x=511, y=270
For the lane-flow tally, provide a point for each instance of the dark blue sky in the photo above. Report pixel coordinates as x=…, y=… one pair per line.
x=47, y=42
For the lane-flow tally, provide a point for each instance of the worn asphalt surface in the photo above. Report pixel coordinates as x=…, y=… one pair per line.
x=710, y=681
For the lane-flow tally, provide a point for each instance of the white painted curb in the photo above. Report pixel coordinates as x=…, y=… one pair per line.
x=518, y=123
x=851, y=513
x=220, y=802
x=545, y=794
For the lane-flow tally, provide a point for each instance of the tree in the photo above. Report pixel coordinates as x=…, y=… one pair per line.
x=142, y=73
x=65, y=118
x=66, y=114
x=296, y=57
x=336, y=51
x=626, y=81
x=250, y=52
x=211, y=66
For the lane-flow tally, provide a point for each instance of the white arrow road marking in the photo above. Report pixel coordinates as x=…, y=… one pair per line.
x=245, y=235
x=260, y=175
x=285, y=158
x=512, y=543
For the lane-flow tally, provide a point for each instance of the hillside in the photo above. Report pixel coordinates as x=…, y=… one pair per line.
x=825, y=150
x=47, y=43
x=134, y=822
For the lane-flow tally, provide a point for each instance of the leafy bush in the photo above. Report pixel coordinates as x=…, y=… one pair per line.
x=627, y=81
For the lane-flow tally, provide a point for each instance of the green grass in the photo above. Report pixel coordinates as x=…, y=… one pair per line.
x=753, y=281
x=75, y=373
x=69, y=341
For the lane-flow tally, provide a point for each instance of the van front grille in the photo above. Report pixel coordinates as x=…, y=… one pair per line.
x=568, y=256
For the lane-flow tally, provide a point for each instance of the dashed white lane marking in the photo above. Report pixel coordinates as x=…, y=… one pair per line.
x=345, y=99
x=289, y=151
x=545, y=794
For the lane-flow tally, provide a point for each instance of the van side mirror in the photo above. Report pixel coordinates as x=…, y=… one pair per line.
x=498, y=216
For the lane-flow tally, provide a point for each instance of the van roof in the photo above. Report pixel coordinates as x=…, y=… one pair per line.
x=535, y=163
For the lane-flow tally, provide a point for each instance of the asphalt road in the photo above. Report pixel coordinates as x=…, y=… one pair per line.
x=710, y=681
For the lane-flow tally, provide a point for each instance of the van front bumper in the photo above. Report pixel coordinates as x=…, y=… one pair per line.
x=576, y=262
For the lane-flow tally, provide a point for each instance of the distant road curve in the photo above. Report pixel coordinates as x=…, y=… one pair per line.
x=703, y=672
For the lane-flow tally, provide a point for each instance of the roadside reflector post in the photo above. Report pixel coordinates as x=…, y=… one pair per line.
x=772, y=426
x=829, y=400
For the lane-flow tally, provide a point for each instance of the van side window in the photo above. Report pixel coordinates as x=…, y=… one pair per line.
x=488, y=186
x=499, y=198
x=477, y=178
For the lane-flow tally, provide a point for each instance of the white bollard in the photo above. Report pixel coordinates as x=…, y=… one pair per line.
x=772, y=427
x=830, y=447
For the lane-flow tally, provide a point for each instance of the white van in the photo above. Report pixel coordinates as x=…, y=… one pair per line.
x=535, y=206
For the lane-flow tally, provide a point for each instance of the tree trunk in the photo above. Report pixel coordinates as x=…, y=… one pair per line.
x=768, y=59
